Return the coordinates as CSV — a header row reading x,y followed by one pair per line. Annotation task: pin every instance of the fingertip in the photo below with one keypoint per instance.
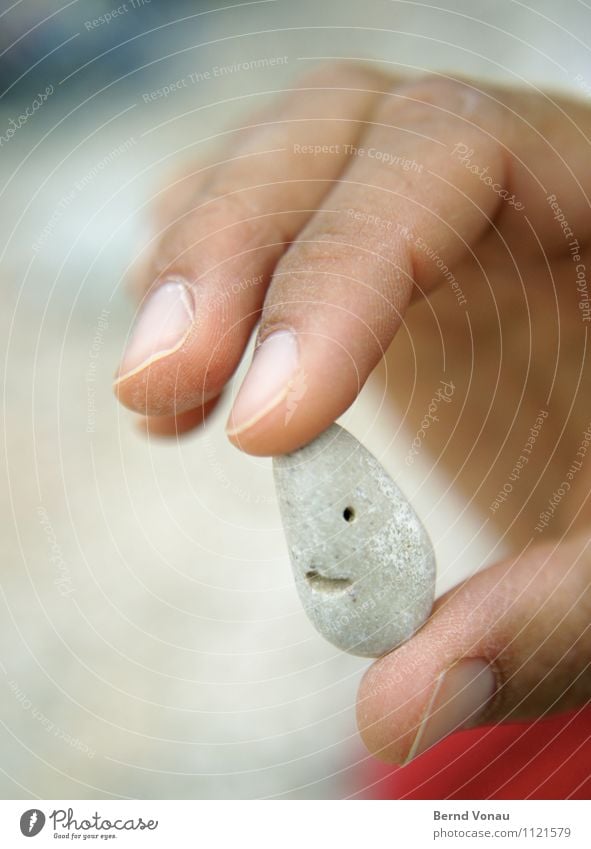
x,y
162,326
171,386
297,385
283,429
397,690
389,709
171,427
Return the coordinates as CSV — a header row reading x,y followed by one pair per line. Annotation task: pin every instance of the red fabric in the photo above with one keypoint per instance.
x,y
546,759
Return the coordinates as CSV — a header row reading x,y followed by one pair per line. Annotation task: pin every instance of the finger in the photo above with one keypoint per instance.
x,y
513,642
175,426
404,212
178,193
339,293
212,266
546,141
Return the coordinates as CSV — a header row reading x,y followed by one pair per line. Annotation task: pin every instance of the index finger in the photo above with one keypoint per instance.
x,y
476,161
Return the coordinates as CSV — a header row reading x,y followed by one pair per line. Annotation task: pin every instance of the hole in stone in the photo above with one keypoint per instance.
x,y
349,514
326,585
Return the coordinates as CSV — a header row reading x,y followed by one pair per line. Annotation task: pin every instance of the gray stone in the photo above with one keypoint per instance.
x,y
363,562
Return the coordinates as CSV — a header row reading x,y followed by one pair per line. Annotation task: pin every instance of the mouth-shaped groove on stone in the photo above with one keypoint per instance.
x,y
326,585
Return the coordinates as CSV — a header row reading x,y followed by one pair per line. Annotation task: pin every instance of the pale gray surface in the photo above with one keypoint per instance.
x,y
363,563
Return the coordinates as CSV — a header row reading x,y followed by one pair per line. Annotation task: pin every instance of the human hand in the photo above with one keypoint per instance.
x,y
417,184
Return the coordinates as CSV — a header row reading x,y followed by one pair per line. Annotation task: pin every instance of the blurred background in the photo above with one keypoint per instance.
x,y
151,641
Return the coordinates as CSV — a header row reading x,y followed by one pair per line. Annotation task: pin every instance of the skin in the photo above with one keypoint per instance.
x,y
358,294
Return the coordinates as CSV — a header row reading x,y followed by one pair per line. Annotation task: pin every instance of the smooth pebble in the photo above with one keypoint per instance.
x,y
363,562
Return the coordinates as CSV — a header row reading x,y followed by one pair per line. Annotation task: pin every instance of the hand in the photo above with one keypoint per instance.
x,y
324,218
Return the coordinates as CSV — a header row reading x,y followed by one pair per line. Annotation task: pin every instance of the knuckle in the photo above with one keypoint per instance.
x,y
339,72
435,98
225,202
329,265
327,245
456,95
223,224
237,211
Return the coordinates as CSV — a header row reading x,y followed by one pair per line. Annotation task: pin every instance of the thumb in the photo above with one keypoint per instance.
x,y
513,642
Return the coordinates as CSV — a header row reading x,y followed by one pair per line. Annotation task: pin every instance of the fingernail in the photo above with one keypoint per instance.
x,y
460,696
267,382
162,326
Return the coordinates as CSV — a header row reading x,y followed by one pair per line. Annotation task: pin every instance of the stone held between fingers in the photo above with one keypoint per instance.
x,y
363,562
